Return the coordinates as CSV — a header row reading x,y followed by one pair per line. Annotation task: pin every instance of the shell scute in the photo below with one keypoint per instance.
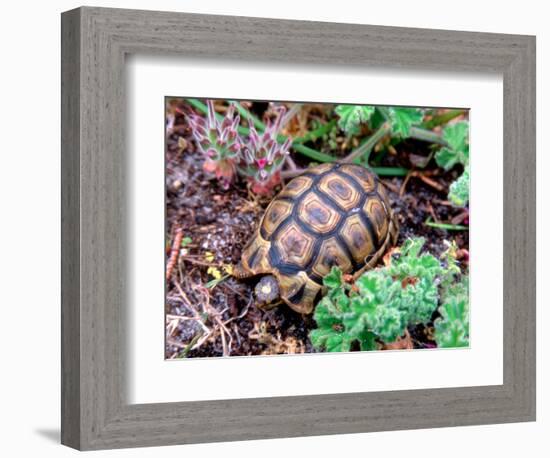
x,y
340,191
321,168
294,245
375,210
255,258
299,291
296,187
316,214
361,175
358,238
275,214
331,253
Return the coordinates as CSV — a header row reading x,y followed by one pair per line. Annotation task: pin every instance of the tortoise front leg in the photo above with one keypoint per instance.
x,y
239,272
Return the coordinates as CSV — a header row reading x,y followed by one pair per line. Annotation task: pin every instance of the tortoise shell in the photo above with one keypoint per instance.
x,y
331,215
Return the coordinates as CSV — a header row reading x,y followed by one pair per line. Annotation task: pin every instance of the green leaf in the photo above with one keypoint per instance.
x,y
456,135
446,158
377,119
368,286
453,328
457,152
330,339
339,300
325,315
355,324
429,263
333,279
338,343
352,116
389,323
367,341
403,119
421,300
459,191
412,248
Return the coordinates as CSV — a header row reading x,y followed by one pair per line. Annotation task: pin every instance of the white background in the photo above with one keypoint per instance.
x,y
150,79
29,233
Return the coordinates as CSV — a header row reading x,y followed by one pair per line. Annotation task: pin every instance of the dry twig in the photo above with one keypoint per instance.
x,y
174,252
422,176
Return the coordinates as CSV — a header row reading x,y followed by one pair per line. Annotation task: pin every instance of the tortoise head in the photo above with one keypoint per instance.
x,y
267,292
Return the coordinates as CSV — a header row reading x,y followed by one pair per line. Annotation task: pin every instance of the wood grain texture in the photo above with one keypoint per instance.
x,y
70,229
95,413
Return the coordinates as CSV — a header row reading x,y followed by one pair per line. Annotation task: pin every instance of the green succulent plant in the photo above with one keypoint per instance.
x,y
229,150
263,156
383,302
219,142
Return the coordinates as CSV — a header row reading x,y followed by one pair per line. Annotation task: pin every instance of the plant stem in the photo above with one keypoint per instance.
x,y
390,171
315,134
247,115
367,146
427,135
291,173
449,227
291,163
200,106
194,340
216,281
310,152
380,171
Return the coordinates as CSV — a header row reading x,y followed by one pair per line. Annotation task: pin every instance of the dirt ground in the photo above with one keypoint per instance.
x,y
223,320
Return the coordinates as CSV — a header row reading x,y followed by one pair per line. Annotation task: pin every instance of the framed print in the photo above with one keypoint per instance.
x,y
309,228
302,237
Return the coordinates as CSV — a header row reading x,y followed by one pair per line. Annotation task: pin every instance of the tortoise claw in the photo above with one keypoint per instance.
x,y
239,272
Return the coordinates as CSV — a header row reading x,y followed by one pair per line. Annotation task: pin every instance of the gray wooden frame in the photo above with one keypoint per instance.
x,y
95,41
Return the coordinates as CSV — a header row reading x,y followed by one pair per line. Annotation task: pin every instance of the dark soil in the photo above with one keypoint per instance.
x,y
219,223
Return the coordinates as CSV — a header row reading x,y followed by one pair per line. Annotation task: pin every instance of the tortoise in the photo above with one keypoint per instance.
x,y
331,215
